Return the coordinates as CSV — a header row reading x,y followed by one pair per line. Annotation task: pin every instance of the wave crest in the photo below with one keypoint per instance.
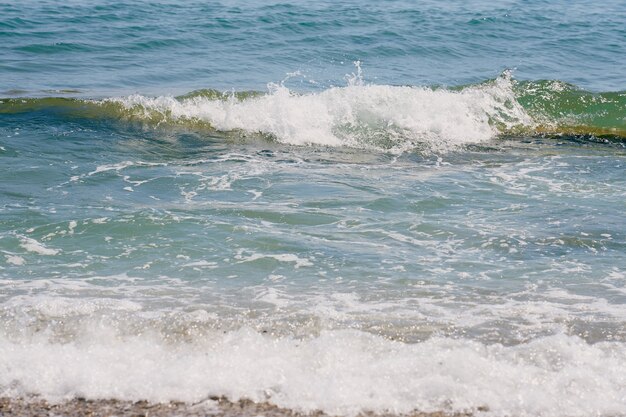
x,y
392,118
367,116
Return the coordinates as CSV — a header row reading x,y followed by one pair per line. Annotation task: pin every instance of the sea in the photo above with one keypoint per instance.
x,y
351,207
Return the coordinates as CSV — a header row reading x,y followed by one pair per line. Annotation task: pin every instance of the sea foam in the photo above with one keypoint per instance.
x,y
392,118
341,372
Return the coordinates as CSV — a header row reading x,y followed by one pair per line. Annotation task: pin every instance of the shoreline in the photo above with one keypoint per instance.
x,y
213,406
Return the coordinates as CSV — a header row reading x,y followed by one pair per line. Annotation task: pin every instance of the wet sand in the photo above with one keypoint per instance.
x,y
214,407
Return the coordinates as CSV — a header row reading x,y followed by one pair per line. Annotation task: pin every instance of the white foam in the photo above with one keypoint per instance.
x,y
387,117
283,257
202,264
341,372
111,167
31,245
122,166
15,260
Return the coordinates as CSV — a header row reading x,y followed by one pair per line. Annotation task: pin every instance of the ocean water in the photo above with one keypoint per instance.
x,y
358,207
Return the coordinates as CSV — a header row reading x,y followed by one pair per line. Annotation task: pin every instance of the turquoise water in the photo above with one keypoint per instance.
x,y
360,207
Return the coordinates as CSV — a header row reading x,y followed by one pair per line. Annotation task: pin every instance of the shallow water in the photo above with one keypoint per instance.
x,y
287,233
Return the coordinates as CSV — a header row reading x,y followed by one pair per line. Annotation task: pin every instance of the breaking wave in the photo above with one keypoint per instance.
x,y
340,372
367,116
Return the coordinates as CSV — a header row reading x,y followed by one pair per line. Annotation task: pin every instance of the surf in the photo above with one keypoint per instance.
x,y
386,118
